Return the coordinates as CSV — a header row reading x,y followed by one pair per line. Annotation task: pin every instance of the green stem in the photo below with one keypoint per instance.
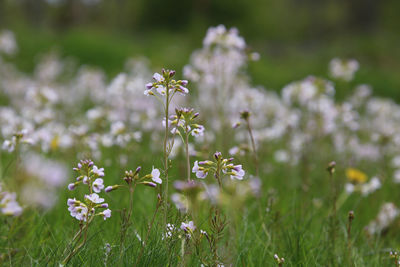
x,y
253,144
187,156
165,197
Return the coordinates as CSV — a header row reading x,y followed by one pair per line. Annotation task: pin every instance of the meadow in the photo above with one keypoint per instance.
x,y
197,166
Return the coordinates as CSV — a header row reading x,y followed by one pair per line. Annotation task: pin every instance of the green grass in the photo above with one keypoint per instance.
x,y
294,227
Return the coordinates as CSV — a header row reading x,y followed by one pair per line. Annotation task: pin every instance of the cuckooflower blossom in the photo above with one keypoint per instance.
x,y
200,173
97,171
9,204
155,176
188,227
106,214
98,185
94,198
237,172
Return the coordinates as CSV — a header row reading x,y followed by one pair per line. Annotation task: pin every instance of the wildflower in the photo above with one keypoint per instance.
x,y
188,228
279,260
200,172
158,77
97,171
106,214
386,216
98,185
155,176
343,69
170,230
8,45
356,176
164,81
371,186
94,198
236,171
9,205
198,131
77,209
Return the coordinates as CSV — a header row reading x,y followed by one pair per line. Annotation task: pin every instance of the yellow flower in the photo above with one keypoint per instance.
x,y
55,142
356,176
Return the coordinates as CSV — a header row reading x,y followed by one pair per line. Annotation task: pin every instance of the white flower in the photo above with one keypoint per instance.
x,y
371,186
97,171
8,145
188,227
170,230
9,204
77,209
199,131
158,77
349,188
160,89
396,178
98,185
199,172
343,69
155,176
106,214
237,172
94,198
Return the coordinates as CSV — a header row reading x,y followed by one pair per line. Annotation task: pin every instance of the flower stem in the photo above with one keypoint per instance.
x,y
165,196
253,144
187,156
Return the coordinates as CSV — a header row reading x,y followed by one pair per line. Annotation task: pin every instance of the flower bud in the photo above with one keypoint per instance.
x,y
151,184
331,167
195,115
351,215
71,186
245,114
236,125
138,169
111,188
171,73
217,155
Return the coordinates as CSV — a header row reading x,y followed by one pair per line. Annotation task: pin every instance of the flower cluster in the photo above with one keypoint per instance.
x,y
183,119
163,82
358,182
203,168
343,69
188,228
8,203
91,176
133,178
386,216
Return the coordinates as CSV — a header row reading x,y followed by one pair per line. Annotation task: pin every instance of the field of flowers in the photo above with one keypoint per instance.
x,y
195,167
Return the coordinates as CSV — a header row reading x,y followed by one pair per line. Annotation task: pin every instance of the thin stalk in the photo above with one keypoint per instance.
x,y
126,219
253,144
334,213
187,156
165,196
349,247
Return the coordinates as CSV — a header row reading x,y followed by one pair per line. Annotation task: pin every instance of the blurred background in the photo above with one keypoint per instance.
x,y
294,38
